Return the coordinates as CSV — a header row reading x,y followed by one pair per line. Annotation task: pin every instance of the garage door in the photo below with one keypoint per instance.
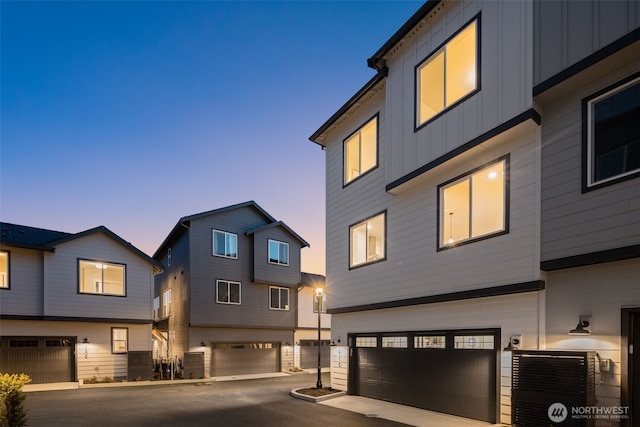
x,y
449,372
309,354
244,358
44,359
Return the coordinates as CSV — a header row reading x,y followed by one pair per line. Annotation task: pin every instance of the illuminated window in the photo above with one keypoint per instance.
x,y
367,241
447,75
4,269
119,339
474,206
366,341
394,342
361,151
476,342
103,278
227,292
225,244
156,307
429,341
278,298
613,133
166,303
278,253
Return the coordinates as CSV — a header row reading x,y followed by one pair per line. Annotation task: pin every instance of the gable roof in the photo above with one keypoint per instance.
x,y
279,224
23,236
312,280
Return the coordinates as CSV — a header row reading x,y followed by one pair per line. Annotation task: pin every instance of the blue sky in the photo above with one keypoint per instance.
x,y
133,114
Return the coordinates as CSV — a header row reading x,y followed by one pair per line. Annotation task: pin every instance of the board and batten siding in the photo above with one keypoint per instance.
x,y
505,33
62,297
567,31
265,272
574,222
25,295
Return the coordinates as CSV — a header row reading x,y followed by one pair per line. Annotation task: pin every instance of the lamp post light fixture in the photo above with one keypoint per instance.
x,y
319,295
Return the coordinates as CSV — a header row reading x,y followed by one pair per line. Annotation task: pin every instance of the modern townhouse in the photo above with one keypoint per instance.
x,y
227,301
74,306
483,195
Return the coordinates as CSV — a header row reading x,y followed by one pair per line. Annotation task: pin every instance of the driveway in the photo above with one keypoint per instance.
x,y
255,402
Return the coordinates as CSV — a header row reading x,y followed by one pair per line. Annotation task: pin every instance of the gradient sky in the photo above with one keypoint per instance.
x,y
132,115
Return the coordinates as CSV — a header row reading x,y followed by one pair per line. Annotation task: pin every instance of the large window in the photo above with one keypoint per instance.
x,y
447,75
474,206
367,241
103,278
225,244
166,303
156,308
119,340
613,133
4,269
361,151
227,292
278,252
278,298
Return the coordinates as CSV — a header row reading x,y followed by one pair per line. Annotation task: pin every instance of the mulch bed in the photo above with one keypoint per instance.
x,y
315,392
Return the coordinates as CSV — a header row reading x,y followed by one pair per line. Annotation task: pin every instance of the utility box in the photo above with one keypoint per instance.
x,y
193,365
552,388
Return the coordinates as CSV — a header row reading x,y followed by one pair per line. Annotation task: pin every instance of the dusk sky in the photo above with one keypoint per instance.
x,y
132,115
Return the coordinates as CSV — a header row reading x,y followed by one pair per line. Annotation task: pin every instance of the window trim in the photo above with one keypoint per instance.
x,y
280,288
102,294
8,275
229,282
418,126
384,258
213,243
507,197
166,313
269,252
126,341
156,308
587,143
376,116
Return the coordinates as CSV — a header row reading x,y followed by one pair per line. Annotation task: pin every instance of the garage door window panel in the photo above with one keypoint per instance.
x,y
421,341
101,278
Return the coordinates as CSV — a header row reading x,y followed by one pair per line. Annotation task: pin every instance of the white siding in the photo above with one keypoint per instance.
x,y
307,318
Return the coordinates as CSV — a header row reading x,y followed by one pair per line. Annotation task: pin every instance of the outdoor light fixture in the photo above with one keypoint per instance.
x,y
583,323
514,343
202,344
85,340
319,295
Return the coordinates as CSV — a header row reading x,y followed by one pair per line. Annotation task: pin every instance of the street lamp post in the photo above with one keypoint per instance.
x,y
319,294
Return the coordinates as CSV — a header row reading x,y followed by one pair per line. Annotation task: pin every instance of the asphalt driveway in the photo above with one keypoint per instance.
x,y
255,402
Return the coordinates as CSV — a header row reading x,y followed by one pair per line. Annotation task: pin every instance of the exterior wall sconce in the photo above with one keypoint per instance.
x,y
335,342
515,341
580,329
85,340
202,344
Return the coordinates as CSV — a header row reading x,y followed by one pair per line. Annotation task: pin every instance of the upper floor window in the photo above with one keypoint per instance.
x,y
474,206
278,252
448,75
227,292
367,241
361,151
119,340
166,303
278,298
156,307
613,133
104,278
169,257
4,269
225,244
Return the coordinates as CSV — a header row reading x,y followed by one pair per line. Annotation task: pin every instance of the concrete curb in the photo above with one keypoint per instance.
x,y
315,399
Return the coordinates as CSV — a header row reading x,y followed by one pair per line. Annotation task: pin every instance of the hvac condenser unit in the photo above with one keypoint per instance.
x,y
548,385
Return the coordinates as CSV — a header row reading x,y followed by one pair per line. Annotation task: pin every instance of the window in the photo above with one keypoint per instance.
x,y
361,151
438,341
474,206
367,241
166,303
448,75
394,342
119,339
477,342
169,257
227,292
97,277
156,307
279,298
278,253
613,133
4,269
366,341
225,244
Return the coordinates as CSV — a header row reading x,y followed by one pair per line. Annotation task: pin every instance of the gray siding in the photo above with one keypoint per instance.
x,y
25,297
574,222
265,272
568,31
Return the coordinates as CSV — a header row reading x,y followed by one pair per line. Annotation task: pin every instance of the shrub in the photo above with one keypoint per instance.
x,y
12,412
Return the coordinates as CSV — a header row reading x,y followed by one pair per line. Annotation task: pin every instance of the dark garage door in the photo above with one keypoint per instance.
x,y
44,359
244,358
309,354
449,372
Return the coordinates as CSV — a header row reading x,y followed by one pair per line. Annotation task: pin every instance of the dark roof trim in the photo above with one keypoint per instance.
x,y
76,319
587,62
517,288
349,104
591,258
377,60
22,236
530,114
312,279
279,224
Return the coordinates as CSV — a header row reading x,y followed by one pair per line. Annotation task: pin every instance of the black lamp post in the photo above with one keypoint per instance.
x,y
319,294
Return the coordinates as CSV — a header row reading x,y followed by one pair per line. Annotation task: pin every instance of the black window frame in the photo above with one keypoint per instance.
x,y
375,117
381,259
8,278
102,294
